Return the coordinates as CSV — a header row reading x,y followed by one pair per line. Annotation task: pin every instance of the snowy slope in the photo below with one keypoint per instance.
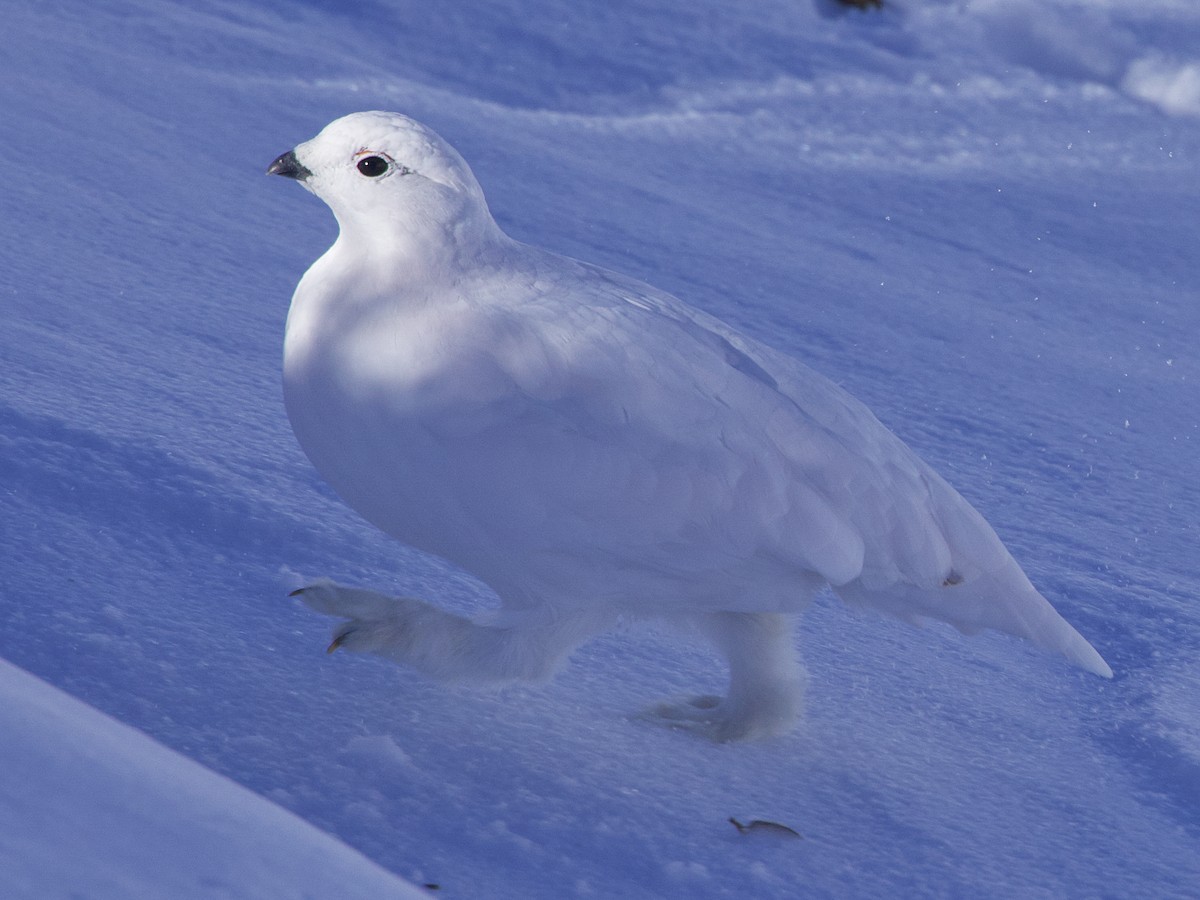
x,y
981,218
92,808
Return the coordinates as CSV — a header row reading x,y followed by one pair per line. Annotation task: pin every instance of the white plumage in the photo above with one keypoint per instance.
x,y
591,447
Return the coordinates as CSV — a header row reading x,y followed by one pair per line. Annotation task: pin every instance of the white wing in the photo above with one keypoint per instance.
x,y
812,479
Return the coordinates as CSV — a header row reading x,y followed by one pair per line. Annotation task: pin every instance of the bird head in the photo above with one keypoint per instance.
x,y
388,177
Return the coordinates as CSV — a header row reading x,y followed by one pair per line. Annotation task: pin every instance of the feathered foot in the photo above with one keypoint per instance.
x,y
528,646
766,682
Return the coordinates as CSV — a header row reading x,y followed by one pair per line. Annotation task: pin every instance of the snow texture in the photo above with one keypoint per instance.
x,y
92,808
980,222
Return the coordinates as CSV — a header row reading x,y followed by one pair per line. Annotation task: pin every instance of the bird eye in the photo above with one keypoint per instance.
x,y
372,166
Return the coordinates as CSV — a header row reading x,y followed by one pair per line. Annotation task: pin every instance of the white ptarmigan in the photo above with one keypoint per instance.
x,y
591,447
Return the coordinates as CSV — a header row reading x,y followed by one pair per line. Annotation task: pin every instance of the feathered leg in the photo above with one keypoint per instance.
x,y
766,680
525,647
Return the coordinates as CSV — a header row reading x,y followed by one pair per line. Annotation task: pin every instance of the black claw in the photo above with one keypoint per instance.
x,y
339,638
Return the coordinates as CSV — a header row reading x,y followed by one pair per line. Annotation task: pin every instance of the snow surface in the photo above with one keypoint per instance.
x,y
92,808
979,217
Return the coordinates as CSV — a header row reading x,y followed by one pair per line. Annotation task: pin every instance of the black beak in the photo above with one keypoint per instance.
x,y
288,166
